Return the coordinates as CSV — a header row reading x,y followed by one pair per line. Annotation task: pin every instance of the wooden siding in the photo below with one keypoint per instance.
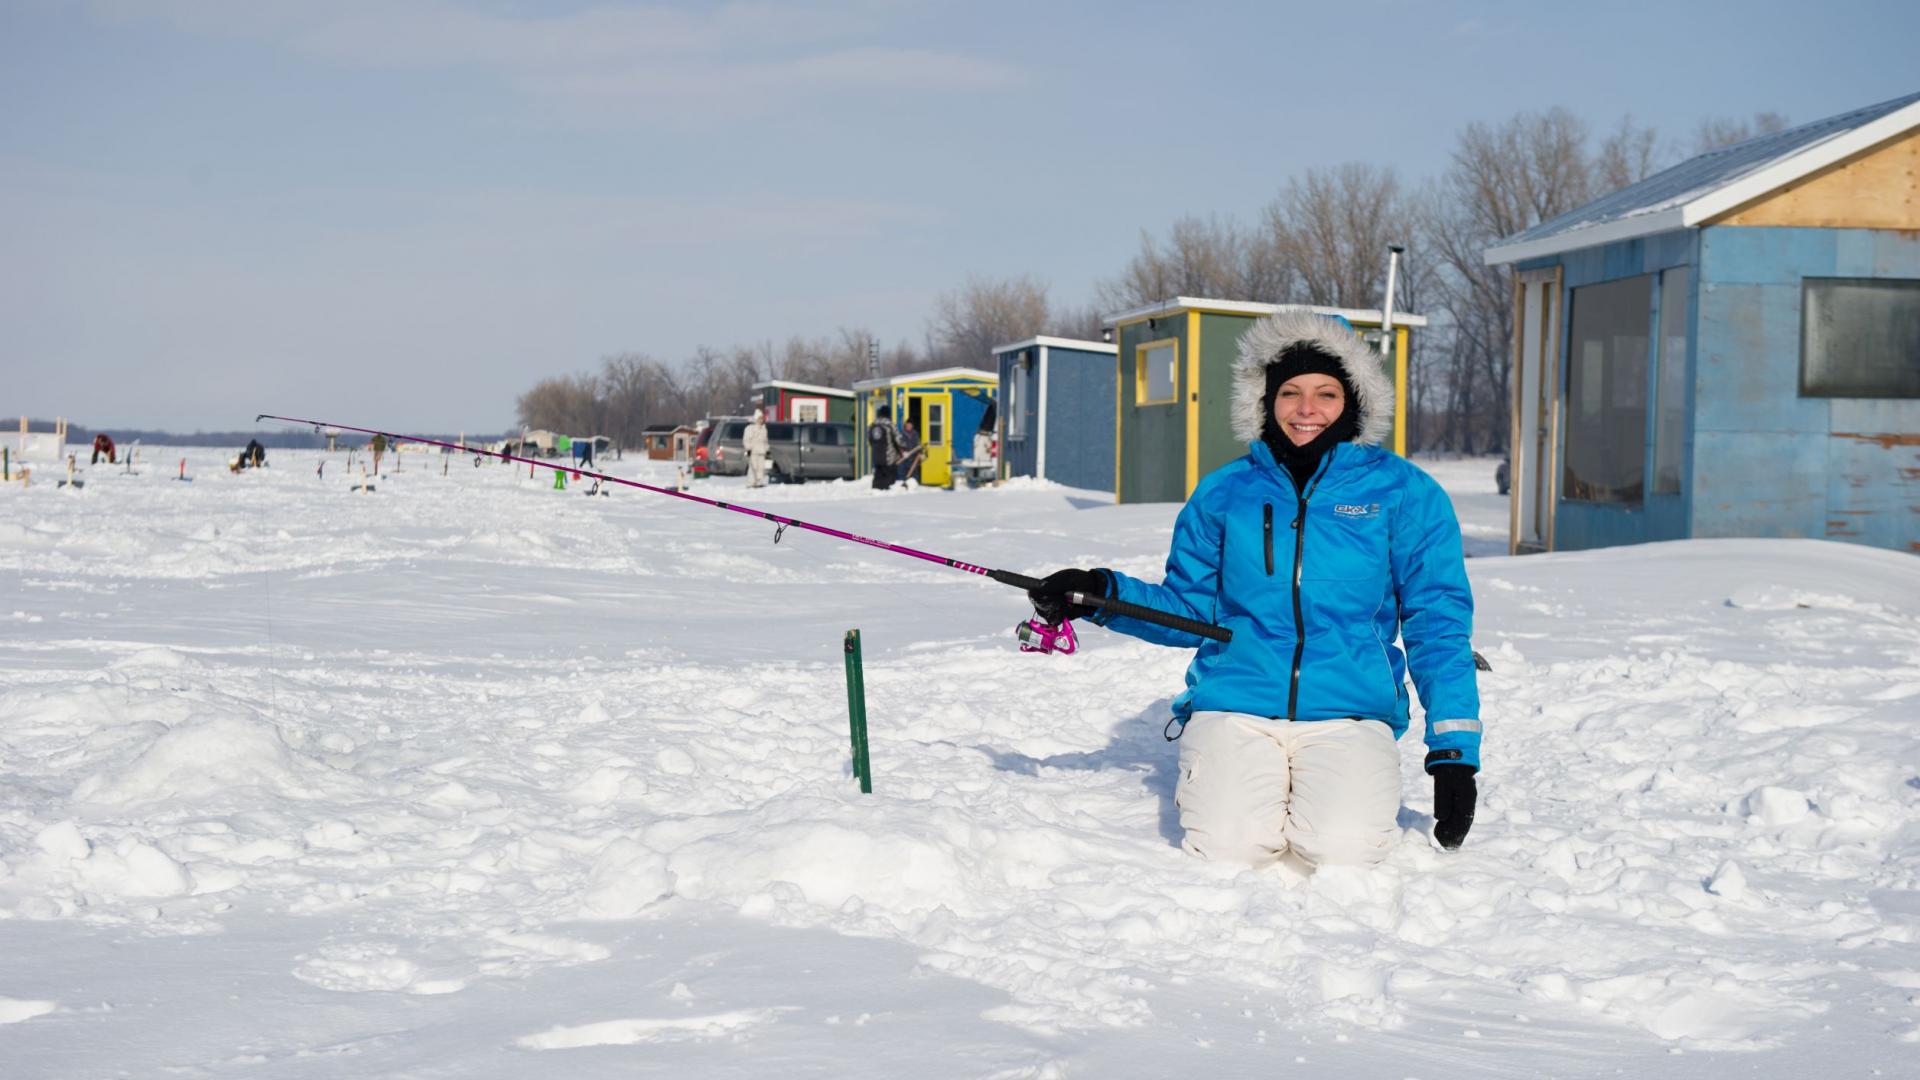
x,y
1766,461
1219,348
1879,189
1150,451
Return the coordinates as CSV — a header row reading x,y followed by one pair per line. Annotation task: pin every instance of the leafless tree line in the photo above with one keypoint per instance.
x,y
1321,240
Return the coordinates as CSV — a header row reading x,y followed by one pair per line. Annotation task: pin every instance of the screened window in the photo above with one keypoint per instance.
x,y
1154,374
1017,396
1670,384
1860,337
1607,391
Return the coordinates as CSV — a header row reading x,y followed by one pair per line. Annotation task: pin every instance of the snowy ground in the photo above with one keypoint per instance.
x,y
472,778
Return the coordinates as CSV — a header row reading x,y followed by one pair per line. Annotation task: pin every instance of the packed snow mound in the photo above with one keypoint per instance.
x,y
829,864
211,752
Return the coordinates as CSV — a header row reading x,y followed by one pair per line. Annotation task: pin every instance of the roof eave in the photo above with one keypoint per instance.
x,y
1058,343
1371,316
1593,236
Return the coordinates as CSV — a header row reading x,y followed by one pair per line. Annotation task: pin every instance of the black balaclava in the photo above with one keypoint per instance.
x,y
1301,461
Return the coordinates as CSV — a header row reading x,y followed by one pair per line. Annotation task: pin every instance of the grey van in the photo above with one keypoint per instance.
x,y
798,452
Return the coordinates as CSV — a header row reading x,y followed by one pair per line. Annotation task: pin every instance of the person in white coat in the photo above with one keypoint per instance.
x,y
757,447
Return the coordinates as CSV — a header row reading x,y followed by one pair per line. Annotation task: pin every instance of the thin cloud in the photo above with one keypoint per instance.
x,y
660,61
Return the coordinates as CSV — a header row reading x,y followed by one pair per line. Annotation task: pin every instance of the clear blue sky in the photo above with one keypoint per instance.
x,y
404,212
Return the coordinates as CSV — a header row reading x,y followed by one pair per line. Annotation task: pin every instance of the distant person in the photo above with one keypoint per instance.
x,y
253,456
103,444
1326,555
379,446
984,449
883,448
757,446
910,451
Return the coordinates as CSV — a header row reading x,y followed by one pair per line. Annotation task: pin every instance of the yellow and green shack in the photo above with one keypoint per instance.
x,y
1173,384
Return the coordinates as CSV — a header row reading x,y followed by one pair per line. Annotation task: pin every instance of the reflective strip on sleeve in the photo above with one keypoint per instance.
x,y
1445,726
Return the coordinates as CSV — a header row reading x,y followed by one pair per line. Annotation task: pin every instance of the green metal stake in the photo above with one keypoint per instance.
x,y
857,713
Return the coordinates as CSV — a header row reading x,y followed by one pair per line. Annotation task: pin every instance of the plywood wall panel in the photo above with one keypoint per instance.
x,y
1877,189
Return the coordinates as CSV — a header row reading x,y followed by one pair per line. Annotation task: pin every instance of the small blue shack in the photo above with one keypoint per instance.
x,y
1056,411
1727,348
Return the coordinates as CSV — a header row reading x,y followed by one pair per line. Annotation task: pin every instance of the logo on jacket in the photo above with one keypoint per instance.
x,y
1357,510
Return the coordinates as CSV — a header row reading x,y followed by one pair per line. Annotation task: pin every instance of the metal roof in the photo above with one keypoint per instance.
x,y
1701,188
936,375
786,385
1059,343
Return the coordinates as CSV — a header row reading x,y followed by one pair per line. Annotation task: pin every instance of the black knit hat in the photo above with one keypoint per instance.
x,y
1307,360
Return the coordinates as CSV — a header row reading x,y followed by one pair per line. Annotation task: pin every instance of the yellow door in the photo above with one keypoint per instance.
x,y
932,412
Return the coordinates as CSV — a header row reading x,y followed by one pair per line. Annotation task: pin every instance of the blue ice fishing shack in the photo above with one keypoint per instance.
x,y
1727,348
1056,411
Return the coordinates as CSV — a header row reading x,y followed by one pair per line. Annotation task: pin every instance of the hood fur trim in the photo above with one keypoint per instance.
x,y
1274,334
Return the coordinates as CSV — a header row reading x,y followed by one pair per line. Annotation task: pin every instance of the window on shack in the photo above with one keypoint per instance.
x,y
1154,365
1606,454
1860,337
1016,391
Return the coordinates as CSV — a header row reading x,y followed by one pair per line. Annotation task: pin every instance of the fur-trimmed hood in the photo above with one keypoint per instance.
x,y
1273,335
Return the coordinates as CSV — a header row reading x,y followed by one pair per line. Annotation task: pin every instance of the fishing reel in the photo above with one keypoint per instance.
x,y
1042,637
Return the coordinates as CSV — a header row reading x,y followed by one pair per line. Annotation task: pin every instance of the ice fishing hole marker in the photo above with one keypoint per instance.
x,y
1005,577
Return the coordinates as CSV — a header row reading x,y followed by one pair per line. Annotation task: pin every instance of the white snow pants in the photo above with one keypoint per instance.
x,y
756,470
1255,790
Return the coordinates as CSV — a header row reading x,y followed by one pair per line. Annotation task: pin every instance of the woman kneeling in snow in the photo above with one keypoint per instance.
x,y
1317,550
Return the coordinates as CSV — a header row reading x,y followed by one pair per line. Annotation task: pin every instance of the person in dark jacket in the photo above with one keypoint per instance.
x,y
907,453
103,444
883,448
1320,551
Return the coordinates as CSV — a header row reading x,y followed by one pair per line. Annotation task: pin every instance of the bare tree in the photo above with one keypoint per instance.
x,y
1332,227
1210,257
1083,323
969,321
1719,132
564,403
1627,156
1503,179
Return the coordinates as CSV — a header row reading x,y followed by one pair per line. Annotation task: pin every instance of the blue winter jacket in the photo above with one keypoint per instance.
x,y
1316,587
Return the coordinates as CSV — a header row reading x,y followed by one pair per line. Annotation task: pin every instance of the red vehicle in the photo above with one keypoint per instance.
x,y
702,466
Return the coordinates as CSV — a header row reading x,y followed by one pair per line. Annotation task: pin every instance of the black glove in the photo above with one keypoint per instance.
x,y
1050,599
1454,795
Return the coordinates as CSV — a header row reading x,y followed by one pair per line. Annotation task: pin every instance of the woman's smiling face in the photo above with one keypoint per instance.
x,y
1306,404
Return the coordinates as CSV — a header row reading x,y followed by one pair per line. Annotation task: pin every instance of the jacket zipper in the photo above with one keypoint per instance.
x,y
1299,619
1267,530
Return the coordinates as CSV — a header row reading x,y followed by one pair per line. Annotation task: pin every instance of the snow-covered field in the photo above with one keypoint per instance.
x,y
468,777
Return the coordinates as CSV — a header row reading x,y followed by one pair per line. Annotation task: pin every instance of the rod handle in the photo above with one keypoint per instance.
x,y
1152,615
1121,607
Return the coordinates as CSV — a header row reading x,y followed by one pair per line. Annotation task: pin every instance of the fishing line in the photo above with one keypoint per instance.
x,y
1004,577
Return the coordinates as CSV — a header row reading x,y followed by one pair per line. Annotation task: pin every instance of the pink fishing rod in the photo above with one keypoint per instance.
x,y
1054,639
